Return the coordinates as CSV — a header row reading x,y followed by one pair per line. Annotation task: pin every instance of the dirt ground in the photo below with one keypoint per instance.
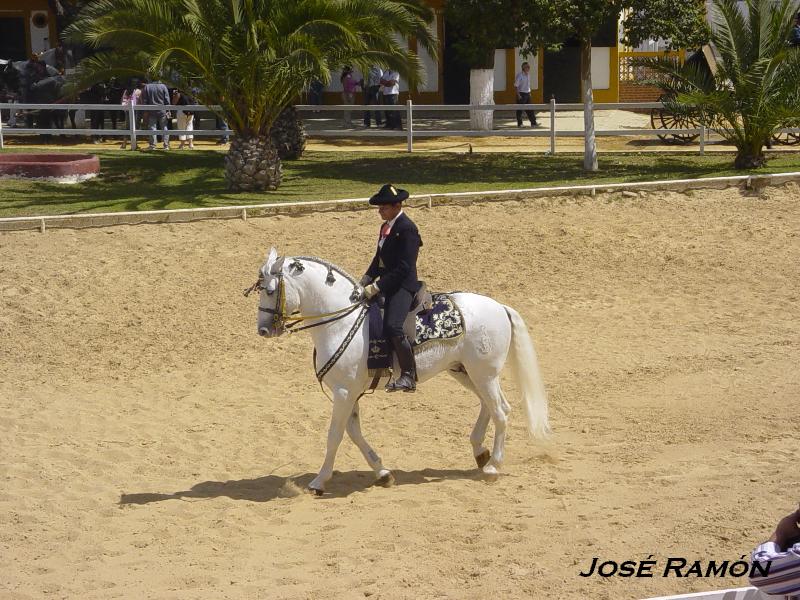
x,y
153,445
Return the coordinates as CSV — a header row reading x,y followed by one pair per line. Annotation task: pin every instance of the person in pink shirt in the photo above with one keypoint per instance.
x,y
130,97
349,85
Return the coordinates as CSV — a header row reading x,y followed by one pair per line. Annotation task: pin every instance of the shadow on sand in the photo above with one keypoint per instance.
x,y
270,487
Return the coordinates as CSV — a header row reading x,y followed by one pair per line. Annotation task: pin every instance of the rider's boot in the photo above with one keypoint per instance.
x,y
405,356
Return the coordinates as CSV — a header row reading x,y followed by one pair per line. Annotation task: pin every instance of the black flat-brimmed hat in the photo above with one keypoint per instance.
x,y
388,194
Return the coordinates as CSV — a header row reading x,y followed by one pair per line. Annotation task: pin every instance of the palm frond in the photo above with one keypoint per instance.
x,y
251,57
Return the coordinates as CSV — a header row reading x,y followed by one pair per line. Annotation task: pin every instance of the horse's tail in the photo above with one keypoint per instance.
x,y
525,368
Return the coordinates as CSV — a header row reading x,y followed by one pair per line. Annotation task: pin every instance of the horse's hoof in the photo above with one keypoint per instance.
x,y
385,481
315,491
490,473
483,458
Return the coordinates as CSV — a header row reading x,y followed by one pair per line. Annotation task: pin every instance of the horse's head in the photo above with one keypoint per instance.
x,y
275,302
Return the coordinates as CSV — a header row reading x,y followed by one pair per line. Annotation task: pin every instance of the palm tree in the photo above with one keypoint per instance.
x,y
251,57
754,89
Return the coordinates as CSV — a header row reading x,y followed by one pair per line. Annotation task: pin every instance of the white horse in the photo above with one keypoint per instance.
x,y
307,290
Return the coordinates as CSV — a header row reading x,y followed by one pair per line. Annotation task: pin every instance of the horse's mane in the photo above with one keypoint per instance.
x,y
329,265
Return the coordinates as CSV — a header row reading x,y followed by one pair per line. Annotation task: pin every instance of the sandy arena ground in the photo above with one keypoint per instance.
x,y
153,445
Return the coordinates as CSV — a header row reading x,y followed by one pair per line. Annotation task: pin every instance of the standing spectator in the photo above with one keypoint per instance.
x,y
782,552
114,92
796,32
221,124
185,118
372,95
98,94
315,93
390,82
349,85
156,93
523,86
130,97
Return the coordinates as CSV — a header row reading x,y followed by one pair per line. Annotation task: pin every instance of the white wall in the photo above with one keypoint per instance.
x,y
430,67
40,36
601,68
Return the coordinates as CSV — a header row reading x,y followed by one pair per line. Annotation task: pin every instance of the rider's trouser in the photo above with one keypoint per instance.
x,y
395,312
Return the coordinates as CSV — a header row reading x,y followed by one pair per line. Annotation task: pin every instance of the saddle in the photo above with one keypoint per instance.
x,y
431,318
422,302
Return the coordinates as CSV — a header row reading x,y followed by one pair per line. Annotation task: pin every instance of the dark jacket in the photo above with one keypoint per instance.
x,y
155,93
396,262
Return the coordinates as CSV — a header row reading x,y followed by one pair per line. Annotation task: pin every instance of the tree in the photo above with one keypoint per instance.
x,y
754,90
549,23
680,24
250,57
483,25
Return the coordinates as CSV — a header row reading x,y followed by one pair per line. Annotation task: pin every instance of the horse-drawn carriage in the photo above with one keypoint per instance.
x,y
676,116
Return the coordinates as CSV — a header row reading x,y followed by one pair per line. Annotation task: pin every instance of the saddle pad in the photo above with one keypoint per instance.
x,y
379,355
442,322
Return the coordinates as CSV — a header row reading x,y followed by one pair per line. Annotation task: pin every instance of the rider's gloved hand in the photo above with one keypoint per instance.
x,y
365,280
371,291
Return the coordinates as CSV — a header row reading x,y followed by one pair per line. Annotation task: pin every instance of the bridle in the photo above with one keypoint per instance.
x,y
283,322
287,323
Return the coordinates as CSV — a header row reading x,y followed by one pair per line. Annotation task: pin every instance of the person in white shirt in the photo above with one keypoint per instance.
x,y
522,84
390,82
782,552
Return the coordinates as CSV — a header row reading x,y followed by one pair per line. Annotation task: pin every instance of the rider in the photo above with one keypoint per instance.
x,y
393,273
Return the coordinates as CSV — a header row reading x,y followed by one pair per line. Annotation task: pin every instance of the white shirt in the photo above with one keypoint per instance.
x,y
390,90
391,224
784,572
523,82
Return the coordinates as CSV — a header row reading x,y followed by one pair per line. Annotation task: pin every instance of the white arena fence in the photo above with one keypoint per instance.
x,y
410,110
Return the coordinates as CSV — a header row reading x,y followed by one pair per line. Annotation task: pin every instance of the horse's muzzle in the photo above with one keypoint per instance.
x,y
264,332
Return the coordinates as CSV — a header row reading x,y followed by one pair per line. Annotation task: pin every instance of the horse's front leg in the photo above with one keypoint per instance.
x,y
343,402
383,476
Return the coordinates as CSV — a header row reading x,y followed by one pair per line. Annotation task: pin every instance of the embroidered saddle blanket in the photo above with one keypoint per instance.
x,y
443,321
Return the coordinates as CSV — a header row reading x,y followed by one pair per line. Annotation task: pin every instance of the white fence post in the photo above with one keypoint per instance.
x,y
409,125
702,139
132,124
552,125
1,130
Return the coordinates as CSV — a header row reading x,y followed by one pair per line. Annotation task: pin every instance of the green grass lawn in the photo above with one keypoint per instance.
x,y
132,181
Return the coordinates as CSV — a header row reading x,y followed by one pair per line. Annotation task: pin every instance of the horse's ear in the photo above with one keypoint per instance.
x,y
271,256
276,268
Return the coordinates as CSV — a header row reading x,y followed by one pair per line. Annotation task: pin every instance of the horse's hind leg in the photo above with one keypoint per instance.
x,y
384,476
492,396
478,434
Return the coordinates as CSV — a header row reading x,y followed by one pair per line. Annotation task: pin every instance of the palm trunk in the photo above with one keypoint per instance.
x,y
288,134
750,151
749,158
589,142
252,164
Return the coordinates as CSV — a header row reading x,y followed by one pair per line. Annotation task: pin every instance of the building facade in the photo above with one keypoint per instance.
x,y
26,27
553,74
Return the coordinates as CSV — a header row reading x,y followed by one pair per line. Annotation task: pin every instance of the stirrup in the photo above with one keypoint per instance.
x,y
403,383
